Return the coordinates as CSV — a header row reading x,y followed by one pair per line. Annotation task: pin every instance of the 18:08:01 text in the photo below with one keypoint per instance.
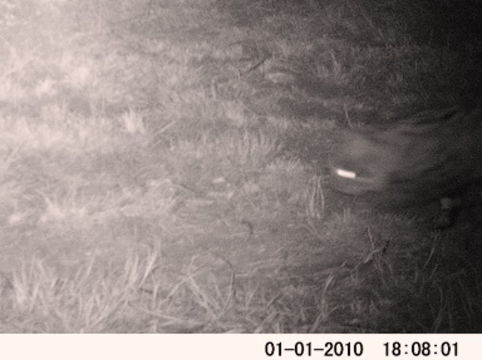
x,y
420,348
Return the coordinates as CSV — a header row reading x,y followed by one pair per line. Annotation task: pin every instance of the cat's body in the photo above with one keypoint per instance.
x,y
431,155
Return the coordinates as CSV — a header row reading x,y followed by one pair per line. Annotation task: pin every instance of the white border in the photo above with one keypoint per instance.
x,y
213,346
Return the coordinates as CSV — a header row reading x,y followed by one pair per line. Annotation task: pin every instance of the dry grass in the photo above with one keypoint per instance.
x,y
162,169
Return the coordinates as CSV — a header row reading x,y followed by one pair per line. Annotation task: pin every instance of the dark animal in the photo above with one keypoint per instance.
x,y
431,155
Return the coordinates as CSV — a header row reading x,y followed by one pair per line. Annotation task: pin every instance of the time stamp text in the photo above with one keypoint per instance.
x,y
356,350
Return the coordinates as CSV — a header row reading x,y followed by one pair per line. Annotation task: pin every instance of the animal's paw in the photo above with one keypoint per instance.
x,y
445,219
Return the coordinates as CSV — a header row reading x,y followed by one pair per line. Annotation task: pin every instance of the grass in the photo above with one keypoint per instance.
x,y
163,167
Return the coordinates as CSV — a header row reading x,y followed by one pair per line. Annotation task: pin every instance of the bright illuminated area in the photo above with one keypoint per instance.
x,y
165,166
345,174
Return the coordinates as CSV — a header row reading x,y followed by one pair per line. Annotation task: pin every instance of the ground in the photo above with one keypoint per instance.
x,y
164,167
